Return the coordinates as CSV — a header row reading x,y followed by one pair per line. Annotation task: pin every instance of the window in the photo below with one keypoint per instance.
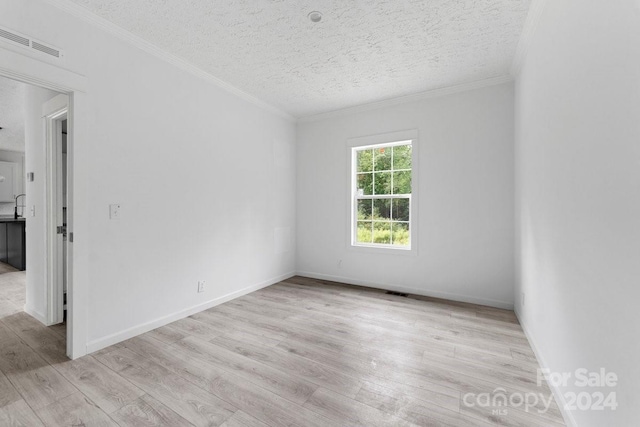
x,y
381,203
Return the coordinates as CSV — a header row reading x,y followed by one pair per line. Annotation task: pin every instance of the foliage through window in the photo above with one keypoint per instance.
x,y
382,201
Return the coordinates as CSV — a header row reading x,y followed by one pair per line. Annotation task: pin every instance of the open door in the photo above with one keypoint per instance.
x,y
55,112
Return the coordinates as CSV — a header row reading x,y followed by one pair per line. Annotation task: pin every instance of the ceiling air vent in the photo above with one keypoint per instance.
x,y
45,49
16,39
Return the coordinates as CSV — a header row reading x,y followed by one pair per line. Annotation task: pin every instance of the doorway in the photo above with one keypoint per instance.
x,y
34,254
12,189
26,69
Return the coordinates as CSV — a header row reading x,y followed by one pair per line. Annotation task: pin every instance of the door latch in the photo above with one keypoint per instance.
x,y
62,229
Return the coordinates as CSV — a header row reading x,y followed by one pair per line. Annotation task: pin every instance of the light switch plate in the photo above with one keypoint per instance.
x,y
114,211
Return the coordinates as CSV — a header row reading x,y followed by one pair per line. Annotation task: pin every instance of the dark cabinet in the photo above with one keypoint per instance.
x,y
16,245
3,242
13,244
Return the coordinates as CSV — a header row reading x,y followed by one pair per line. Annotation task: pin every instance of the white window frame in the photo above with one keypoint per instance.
x,y
387,139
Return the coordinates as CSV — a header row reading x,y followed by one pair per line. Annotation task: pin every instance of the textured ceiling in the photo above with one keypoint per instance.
x,y
361,51
11,115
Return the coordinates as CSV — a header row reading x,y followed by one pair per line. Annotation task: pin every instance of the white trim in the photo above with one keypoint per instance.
x,y
382,138
79,248
57,104
53,112
567,415
382,249
529,29
126,36
391,287
35,314
434,93
101,343
26,69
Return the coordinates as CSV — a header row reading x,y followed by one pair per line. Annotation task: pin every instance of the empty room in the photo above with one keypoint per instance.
x,y
264,213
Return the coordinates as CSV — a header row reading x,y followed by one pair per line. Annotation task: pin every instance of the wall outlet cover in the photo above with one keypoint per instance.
x,y
201,286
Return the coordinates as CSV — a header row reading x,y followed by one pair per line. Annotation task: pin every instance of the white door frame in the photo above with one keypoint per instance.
x,y
21,67
54,112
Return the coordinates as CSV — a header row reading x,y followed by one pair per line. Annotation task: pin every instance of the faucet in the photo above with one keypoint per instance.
x,y
15,212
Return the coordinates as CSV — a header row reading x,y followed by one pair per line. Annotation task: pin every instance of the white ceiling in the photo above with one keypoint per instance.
x,y
11,115
361,51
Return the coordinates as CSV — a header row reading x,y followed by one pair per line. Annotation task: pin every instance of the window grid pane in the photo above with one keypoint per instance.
x,y
364,232
400,235
365,208
383,195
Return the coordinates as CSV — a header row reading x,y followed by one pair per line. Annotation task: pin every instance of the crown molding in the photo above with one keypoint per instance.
x,y
124,35
435,93
530,26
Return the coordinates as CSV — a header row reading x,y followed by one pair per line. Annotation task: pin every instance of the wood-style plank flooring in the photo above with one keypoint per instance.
x,y
12,284
302,352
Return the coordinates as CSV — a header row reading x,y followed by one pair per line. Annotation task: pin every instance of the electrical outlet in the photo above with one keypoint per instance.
x,y
201,286
339,263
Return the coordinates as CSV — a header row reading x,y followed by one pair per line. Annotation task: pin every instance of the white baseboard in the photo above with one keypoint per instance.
x,y
557,393
35,314
104,342
390,287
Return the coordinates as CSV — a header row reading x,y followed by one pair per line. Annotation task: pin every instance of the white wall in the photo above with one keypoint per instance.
x,y
578,156
11,115
205,179
466,224
16,157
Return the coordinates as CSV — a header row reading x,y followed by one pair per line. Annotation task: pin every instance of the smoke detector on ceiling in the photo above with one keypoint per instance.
x,y
315,16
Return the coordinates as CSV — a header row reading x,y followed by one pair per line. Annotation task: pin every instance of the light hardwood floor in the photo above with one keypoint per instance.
x,y
302,352
12,284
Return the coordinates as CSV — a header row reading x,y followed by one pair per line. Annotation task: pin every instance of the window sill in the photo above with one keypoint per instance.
x,y
382,250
